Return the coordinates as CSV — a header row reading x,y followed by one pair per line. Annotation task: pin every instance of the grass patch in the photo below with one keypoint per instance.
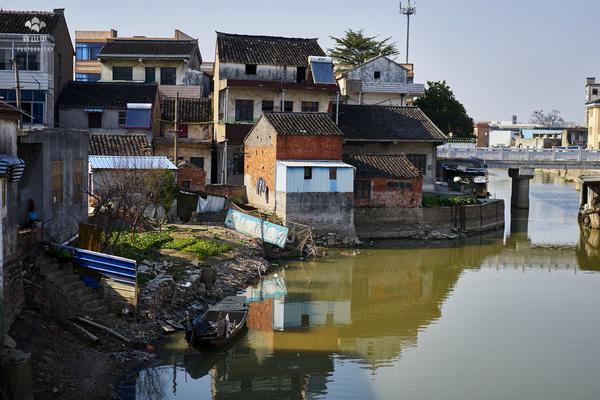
x,y
179,243
207,248
144,244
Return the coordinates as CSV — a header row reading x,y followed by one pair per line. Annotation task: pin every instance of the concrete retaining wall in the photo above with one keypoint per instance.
x,y
397,223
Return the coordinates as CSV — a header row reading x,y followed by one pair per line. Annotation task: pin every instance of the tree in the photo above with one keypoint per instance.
x,y
550,119
355,48
440,105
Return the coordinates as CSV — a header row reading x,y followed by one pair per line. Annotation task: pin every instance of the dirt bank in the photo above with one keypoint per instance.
x,y
66,365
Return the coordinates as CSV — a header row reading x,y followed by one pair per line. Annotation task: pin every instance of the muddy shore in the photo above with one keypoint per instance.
x,y
66,365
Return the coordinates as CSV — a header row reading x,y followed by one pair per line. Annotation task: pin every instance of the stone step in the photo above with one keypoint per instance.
x,y
100,310
92,304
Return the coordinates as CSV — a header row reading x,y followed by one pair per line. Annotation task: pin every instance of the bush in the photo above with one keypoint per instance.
x,y
448,201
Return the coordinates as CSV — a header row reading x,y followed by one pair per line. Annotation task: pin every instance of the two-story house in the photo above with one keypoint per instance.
x,y
194,131
172,63
256,74
40,44
380,81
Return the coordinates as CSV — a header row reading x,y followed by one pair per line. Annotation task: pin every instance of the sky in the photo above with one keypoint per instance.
x,y
501,58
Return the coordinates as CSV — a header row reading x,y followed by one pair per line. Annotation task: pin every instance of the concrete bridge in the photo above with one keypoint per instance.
x,y
521,163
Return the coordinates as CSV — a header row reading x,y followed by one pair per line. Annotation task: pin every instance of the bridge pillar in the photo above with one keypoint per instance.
x,y
520,186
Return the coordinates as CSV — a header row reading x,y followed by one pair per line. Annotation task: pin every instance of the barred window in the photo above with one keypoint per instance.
x,y
419,161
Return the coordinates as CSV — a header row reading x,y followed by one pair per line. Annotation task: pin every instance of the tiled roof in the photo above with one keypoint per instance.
x,y
306,123
382,166
266,50
17,22
148,48
119,145
190,110
112,95
383,123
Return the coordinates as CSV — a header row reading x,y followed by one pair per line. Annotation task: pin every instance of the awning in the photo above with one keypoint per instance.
x,y
11,167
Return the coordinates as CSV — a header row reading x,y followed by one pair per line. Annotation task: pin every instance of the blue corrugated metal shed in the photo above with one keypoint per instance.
x,y
290,177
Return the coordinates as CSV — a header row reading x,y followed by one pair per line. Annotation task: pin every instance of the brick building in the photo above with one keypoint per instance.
x,y
385,180
191,177
293,166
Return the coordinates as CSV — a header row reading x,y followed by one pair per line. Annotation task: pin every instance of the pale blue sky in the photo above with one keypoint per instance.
x,y
500,57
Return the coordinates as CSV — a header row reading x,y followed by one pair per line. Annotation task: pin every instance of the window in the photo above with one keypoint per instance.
x,y
244,110
197,161
310,106
307,173
185,184
138,116
149,74
300,74
94,120
595,92
332,174
168,75
122,73
78,180
410,79
287,106
5,56
250,69
399,185
238,164
122,119
87,51
87,77
33,102
57,181
377,75
268,106
363,190
419,161
27,56
182,131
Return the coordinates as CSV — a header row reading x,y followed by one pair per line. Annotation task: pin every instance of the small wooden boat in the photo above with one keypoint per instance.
x,y
220,325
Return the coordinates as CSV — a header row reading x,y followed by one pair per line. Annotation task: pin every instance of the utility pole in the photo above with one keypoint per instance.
x,y
410,9
18,90
176,122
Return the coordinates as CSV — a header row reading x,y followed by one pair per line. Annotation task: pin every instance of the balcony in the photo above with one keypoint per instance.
x,y
277,85
393,87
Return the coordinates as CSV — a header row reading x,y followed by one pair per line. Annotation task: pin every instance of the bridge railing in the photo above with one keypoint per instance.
x,y
520,155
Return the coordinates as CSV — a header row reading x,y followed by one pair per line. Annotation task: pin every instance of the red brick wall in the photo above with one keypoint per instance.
x,y
196,176
309,147
382,196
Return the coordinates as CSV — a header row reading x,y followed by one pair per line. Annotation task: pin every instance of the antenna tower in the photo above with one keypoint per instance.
x,y
408,10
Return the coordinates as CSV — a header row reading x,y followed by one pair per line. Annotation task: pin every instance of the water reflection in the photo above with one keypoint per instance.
x,y
383,321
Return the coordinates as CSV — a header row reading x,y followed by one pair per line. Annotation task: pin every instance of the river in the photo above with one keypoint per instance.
x,y
511,315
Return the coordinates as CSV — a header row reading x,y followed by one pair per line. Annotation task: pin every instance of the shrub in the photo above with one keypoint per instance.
x,y
448,201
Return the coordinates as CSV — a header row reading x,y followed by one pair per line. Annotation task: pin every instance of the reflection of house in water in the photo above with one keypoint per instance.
x,y
588,251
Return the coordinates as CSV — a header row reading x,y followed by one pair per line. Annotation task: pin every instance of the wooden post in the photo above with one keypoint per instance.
x,y
18,91
176,122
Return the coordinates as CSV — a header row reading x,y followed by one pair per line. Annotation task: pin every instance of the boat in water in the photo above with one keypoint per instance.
x,y
220,325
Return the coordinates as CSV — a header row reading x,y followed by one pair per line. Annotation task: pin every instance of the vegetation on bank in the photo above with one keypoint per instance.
x,y
147,245
431,201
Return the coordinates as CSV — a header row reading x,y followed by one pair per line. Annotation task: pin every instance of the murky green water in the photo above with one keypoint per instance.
x,y
513,316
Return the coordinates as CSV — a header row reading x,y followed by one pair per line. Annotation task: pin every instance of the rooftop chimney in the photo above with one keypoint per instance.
x,y
59,11
590,81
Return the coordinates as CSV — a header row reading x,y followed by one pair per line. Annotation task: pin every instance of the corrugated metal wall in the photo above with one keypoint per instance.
x,y
291,180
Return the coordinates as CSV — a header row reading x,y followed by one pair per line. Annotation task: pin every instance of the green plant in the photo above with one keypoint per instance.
x,y
430,201
143,245
207,248
179,243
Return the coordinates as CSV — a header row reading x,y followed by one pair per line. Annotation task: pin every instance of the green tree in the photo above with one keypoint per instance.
x,y
355,48
440,105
